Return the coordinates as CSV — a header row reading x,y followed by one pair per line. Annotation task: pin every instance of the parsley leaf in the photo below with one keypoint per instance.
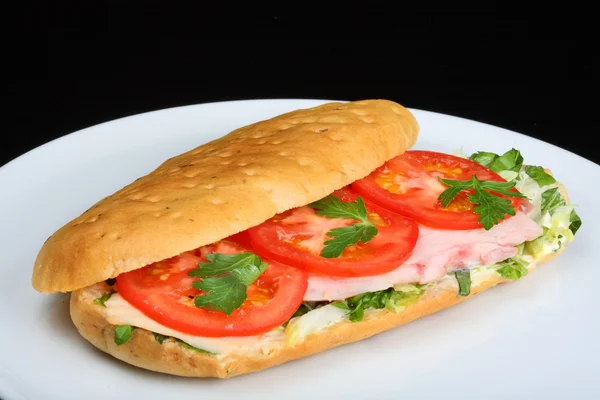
x,y
341,238
101,300
333,207
347,236
551,200
539,175
225,279
509,161
490,207
575,222
455,188
226,293
512,269
123,334
463,277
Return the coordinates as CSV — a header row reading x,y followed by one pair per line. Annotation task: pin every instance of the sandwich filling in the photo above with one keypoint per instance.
x,y
436,253
422,222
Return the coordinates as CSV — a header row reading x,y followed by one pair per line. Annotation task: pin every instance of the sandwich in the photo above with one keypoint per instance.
x,y
297,234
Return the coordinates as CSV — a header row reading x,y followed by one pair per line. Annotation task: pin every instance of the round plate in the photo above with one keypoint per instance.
x,y
534,338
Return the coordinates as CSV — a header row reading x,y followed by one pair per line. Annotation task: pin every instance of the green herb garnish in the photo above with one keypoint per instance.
x,y
123,334
490,207
551,200
101,300
226,278
539,175
463,277
513,161
575,222
341,238
509,161
512,269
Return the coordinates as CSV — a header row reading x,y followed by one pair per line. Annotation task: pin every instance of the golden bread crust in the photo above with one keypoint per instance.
x,y
223,187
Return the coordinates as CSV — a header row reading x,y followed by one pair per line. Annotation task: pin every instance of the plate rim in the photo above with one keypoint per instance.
x,y
84,130
12,166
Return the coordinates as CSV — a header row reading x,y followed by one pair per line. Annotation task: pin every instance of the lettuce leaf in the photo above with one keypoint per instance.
x,y
512,160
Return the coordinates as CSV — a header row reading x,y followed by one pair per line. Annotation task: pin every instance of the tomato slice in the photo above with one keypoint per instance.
x,y
408,185
163,291
296,237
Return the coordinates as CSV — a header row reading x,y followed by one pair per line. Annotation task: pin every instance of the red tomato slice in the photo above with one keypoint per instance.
x,y
408,185
163,291
296,237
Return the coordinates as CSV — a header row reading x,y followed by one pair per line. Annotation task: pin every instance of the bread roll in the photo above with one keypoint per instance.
x,y
224,187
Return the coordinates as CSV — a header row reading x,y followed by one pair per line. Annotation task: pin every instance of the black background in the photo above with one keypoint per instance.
x,y
529,67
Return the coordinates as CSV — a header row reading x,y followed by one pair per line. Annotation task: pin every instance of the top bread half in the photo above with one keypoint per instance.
x,y
224,187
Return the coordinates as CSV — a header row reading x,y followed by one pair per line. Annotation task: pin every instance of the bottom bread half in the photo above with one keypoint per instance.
x,y
170,357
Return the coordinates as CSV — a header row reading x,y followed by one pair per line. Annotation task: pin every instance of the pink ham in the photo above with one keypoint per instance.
x,y
437,252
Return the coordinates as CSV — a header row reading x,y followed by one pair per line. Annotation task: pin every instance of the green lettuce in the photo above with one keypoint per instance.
x,y
512,160
396,298
557,231
513,269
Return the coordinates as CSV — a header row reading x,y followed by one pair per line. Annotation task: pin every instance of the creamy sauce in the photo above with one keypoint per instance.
x,y
314,321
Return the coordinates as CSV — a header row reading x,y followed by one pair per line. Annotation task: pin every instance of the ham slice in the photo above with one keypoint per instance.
x,y
436,253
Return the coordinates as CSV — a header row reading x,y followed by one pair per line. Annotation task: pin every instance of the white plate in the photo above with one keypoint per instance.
x,y
535,338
